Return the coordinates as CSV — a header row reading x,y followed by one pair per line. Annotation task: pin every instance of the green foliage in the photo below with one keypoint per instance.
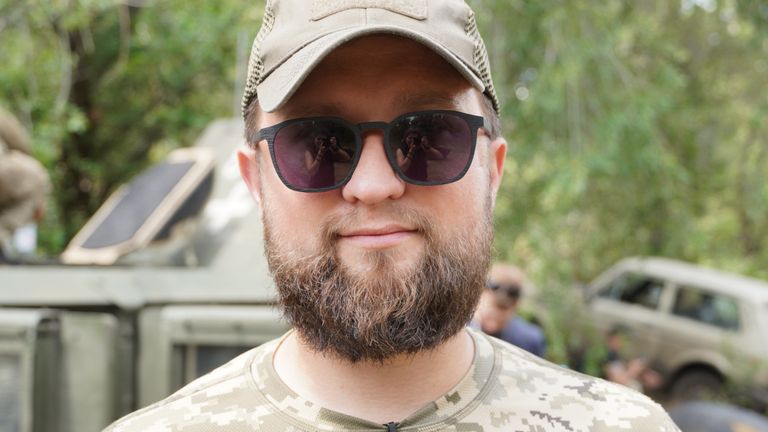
x,y
635,128
103,86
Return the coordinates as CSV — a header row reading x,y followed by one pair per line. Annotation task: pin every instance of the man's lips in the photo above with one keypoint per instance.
x,y
378,237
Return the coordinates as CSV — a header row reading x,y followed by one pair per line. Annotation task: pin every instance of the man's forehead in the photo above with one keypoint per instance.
x,y
506,274
412,101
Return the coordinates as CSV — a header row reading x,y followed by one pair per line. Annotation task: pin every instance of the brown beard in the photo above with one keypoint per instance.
x,y
384,312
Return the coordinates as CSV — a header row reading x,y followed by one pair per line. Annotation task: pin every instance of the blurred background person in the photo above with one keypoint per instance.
x,y
24,186
496,313
634,372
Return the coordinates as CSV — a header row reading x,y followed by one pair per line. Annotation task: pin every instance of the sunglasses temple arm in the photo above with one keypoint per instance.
x,y
487,125
256,139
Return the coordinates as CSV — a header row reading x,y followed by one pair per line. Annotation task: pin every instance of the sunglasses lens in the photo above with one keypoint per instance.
x,y
431,148
314,154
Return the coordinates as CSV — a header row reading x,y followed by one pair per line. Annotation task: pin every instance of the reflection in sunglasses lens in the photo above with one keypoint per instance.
x,y
431,147
314,154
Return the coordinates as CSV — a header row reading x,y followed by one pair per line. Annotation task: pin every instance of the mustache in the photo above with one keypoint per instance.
x,y
334,225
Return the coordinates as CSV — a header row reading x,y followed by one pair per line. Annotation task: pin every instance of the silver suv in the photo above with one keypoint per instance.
x,y
700,327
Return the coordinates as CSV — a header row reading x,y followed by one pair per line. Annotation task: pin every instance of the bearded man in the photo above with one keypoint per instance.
x,y
380,267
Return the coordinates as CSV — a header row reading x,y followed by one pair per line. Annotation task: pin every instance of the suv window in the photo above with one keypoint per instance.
x,y
635,289
714,309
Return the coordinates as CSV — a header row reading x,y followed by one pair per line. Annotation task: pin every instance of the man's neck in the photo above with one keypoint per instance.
x,y
380,393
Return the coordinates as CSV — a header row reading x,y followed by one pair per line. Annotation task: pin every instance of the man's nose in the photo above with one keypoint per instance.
x,y
374,180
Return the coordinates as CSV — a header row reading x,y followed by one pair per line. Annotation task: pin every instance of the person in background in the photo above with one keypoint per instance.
x,y
24,186
497,316
634,373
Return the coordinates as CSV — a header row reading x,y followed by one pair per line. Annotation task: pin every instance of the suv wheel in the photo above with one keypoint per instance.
x,y
696,385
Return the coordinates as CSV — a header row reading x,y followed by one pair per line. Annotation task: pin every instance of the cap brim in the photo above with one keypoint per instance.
x,y
285,79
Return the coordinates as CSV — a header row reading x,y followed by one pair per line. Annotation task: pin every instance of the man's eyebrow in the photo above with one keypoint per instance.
x,y
426,100
312,110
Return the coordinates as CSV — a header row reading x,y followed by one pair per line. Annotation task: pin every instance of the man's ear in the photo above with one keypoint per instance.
x,y
249,171
496,158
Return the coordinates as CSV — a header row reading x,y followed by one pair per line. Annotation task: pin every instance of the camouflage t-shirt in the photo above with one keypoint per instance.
x,y
506,389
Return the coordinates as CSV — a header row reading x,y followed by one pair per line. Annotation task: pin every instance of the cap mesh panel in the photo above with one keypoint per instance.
x,y
256,63
481,60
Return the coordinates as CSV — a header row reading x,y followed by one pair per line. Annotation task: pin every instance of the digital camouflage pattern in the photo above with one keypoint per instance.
x,y
506,389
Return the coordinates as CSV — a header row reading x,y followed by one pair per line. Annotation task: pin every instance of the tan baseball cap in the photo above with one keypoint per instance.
x,y
296,35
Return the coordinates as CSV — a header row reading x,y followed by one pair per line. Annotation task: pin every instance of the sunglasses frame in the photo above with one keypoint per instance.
x,y
473,121
512,292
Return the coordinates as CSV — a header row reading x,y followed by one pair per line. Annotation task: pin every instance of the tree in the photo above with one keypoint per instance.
x,y
107,87
636,128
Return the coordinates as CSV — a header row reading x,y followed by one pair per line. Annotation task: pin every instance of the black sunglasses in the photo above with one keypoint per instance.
x,y
427,148
512,292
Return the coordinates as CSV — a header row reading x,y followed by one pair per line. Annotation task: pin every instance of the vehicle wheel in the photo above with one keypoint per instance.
x,y
696,385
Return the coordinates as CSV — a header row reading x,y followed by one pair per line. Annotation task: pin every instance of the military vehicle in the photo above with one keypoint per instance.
x,y
164,283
